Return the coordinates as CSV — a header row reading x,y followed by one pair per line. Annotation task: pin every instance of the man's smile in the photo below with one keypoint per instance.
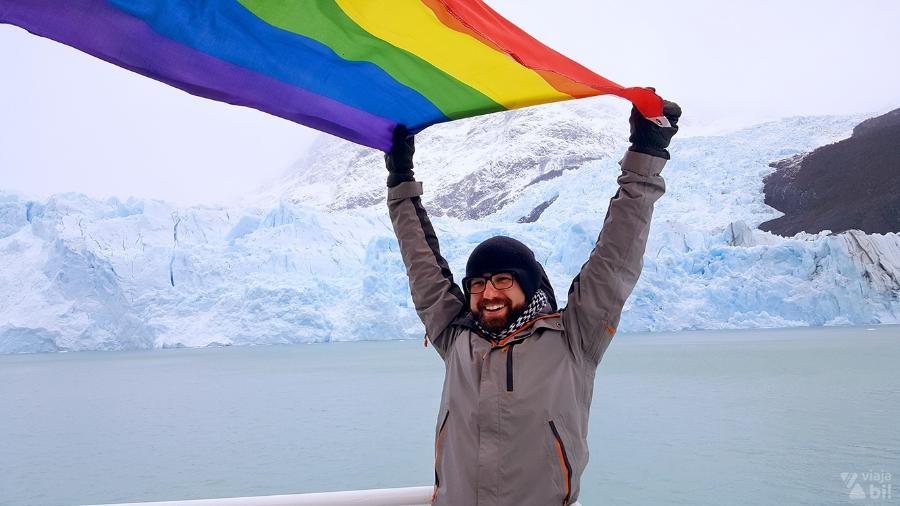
x,y
497,313
493,308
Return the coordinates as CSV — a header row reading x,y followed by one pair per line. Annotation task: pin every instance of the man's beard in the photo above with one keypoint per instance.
x,y
497,324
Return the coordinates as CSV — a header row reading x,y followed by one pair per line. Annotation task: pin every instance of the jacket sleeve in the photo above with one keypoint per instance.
x,y
438,300
606,280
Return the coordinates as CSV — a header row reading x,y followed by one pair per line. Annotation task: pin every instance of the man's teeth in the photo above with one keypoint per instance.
x,y
494,308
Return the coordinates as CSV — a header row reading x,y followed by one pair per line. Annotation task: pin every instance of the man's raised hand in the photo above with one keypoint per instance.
x,y
649,138
399,160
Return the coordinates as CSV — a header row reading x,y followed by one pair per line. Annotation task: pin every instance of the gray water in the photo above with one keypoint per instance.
x,y
740,417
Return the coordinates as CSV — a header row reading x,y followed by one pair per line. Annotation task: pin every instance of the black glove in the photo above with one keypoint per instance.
x,y
399,160
649,138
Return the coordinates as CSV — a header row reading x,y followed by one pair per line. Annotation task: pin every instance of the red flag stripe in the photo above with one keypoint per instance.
x,y
477,19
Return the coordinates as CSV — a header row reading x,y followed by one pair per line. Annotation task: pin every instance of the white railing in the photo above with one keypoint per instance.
x,y
410,496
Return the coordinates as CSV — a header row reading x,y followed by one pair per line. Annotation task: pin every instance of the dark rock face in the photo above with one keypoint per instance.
x,y
877,123
537,211
851,184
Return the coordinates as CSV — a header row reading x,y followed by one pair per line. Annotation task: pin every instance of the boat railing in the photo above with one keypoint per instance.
x,y
408,496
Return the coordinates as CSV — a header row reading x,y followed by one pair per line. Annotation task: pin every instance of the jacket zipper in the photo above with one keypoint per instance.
x,y
509,368
437,456
563,461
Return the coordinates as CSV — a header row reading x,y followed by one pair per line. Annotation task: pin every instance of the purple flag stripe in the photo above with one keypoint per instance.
x,y
97,28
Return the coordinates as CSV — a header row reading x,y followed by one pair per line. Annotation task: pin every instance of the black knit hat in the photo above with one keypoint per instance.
x,y
505,254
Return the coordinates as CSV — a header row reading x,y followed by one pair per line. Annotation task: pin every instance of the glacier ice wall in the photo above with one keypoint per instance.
x,y
82,274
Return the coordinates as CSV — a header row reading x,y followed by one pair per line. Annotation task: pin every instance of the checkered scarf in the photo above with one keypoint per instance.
x,y
538,301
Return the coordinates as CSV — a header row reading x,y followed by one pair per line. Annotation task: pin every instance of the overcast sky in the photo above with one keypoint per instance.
x,y
70,122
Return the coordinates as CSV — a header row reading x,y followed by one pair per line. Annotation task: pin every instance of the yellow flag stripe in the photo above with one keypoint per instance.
x,y
406,23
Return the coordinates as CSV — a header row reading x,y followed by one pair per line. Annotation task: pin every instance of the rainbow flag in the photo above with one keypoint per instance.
x,y
352,68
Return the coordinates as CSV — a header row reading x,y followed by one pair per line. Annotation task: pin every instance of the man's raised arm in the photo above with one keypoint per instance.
x,y
599,291
437,298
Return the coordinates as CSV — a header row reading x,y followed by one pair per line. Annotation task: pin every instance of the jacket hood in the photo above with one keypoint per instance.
x,y
548,289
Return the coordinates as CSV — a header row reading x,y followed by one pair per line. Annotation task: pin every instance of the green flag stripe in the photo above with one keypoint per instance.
x,y
325,22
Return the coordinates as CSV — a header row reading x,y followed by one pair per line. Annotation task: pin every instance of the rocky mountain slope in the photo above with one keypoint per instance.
x,y
851,184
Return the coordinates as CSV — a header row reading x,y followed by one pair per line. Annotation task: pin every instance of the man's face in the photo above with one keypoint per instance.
x,y
495,308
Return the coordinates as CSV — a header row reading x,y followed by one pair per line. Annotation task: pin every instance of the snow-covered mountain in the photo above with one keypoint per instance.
x,y
473,167
319,262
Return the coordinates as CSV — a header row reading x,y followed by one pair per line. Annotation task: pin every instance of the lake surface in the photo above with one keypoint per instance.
x,y
691,418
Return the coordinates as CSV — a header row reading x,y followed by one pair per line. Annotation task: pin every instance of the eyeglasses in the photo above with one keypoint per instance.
x,y
501,281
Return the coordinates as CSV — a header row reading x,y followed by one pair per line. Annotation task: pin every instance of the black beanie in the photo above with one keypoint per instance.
x,y
505,254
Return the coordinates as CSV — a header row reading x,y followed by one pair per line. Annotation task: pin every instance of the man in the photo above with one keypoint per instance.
x,y
513,420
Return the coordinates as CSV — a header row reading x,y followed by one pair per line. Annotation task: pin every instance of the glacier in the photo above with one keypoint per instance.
x,y
312,258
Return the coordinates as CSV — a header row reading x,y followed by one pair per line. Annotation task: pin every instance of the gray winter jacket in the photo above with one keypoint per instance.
x,y
513,421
